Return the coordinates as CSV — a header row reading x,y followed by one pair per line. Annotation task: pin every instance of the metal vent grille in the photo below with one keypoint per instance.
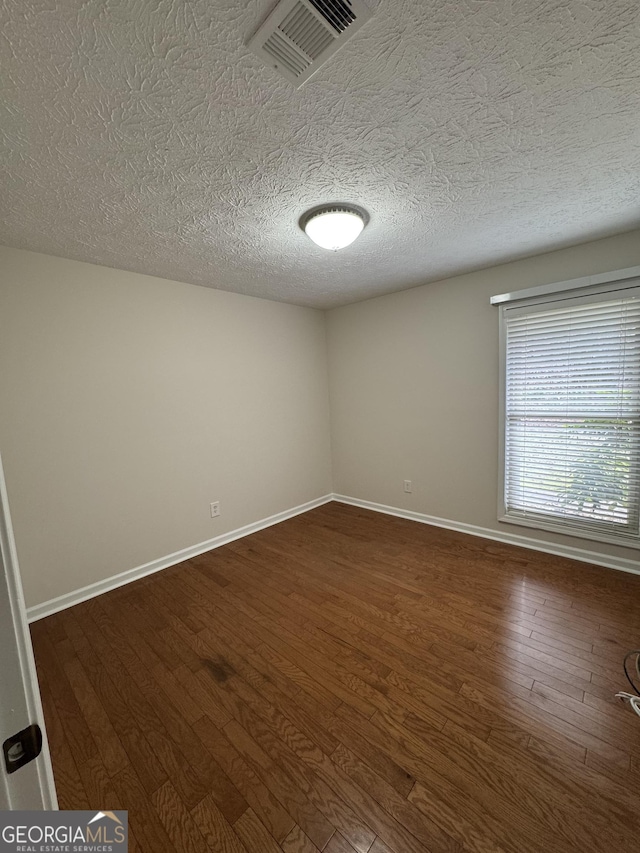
x,y
335,12
306,31
299,36
278,48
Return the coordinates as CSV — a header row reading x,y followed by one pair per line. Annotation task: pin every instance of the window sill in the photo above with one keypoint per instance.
x,y
626,540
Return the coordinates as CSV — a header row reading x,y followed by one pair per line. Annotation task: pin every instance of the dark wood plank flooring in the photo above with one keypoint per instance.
x,y
347,681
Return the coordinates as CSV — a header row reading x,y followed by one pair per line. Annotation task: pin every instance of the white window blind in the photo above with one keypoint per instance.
x,y
572,413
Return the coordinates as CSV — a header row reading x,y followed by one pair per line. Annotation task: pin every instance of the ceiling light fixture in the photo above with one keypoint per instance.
x,y
334,226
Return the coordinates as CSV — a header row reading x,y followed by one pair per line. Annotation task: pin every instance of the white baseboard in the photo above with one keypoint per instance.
x,y
609,562
39,611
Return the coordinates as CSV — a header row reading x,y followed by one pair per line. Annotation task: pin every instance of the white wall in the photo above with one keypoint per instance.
x,y
129,403
414,389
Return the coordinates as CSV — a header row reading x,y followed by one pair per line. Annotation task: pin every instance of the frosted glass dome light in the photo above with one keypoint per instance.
x,y
334,227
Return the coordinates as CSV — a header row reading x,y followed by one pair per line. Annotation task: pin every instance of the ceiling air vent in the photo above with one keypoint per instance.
x,y
300,35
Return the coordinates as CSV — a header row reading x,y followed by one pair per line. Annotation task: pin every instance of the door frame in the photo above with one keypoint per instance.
x,y
31,786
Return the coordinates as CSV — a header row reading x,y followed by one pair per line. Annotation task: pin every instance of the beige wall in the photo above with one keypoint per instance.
x,y
129,403
414,389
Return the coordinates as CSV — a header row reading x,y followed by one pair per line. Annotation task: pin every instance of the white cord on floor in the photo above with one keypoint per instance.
x,y
634,701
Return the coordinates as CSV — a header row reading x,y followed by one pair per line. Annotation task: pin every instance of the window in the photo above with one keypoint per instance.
x,y
571,412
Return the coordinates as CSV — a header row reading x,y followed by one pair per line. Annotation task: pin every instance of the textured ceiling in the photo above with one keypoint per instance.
x,y
142,134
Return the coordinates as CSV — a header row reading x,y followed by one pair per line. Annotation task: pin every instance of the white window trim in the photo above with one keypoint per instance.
x,y
587,281
601,283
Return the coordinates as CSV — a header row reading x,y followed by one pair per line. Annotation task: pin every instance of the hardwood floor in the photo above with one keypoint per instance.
x,y
347,681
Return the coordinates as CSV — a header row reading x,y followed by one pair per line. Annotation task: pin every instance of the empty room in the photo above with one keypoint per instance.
x,y
320,426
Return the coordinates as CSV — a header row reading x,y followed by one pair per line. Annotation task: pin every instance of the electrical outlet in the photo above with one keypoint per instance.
x,y
408,487
215,509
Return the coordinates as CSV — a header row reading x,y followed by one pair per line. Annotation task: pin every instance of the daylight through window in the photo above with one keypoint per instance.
x,y
572,413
